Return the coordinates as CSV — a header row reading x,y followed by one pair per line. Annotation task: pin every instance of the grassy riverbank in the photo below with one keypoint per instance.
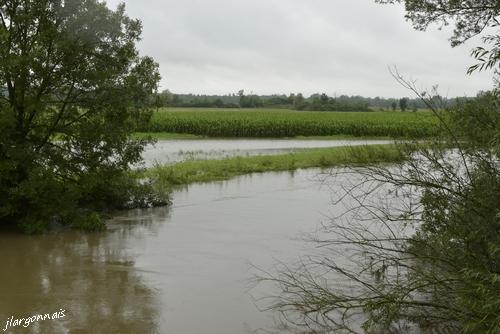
x,y
279,123
166,136
213,170
186,136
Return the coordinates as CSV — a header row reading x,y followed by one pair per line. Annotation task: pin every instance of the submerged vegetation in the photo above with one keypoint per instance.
x,y
286,123
165,177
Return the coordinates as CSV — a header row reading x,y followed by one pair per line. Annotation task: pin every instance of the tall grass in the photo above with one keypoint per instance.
x,y
285,123
213,170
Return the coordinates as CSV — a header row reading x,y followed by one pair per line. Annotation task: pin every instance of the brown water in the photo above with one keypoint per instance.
x,y
180,270
170,151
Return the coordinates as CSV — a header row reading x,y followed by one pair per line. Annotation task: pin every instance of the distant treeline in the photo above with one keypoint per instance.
x,y
316,102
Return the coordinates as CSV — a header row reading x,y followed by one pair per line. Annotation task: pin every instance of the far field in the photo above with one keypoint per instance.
x,y
280,123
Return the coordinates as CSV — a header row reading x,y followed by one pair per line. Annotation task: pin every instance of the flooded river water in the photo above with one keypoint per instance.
x,y
184,269
171,151
179,270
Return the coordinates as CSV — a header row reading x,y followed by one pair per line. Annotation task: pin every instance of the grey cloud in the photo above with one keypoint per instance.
x,y
283,46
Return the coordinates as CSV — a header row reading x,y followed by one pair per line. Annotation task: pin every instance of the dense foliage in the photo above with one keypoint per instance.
x,y
325,103
73,86
315,102
286,123
460,233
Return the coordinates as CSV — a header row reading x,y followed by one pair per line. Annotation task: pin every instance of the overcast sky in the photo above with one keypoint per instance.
x,y
309,46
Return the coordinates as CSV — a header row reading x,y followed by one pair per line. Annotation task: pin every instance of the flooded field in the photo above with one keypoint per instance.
x,y
171,151
180,270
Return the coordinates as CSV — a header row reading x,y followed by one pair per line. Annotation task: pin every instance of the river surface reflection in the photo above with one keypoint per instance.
x,y
179,270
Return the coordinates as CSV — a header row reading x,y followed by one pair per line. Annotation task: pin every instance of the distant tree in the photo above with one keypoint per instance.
x,y
219,103
175,100
324,98
403,104
249,101
165,98
276,100
75,90
299,99
394,106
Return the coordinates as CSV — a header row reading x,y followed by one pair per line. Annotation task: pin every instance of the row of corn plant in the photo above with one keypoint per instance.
x,y
285,123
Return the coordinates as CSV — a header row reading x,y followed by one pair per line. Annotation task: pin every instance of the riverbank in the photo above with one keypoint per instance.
x,y
187,136
187,172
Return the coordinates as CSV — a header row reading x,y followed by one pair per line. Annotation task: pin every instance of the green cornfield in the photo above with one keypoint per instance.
x,y
269,123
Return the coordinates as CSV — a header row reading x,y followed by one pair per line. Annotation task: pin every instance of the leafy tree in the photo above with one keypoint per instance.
x,y
165,98
74,88
324,99
249,101
219,103
299,99
469,17
403,104
394,106
298,102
